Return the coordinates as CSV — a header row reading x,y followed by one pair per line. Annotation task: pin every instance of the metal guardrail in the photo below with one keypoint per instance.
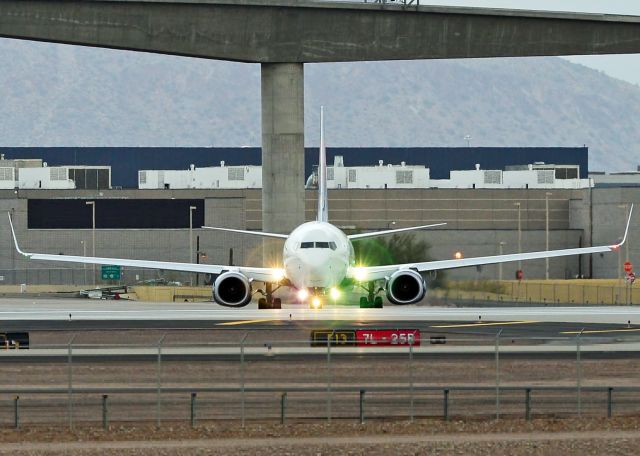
x,y
66,383
284,393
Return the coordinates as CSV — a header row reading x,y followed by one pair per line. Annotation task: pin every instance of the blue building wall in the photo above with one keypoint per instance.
x,y
126,161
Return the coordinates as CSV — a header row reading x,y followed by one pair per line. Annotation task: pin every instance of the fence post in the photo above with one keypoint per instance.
x,y
16,412
283,407
411,400
445,411
609,402
242,398
159,380
70,381
105,413
362,392
498,374
579,373
527,404
193,409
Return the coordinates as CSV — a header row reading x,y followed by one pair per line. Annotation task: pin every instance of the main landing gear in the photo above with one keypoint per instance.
x,y
376,303
269,302
371,301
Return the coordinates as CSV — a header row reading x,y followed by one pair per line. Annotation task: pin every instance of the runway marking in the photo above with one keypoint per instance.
x,y
473,325
596,331
244,322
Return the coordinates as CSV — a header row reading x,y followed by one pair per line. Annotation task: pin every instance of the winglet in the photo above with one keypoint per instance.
x,y
15,240
626,231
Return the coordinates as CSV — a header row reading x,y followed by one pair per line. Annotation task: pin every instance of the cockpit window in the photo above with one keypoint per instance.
x,y
318,245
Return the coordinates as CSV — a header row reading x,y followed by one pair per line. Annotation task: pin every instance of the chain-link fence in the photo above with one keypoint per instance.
x,y
467,377
84,277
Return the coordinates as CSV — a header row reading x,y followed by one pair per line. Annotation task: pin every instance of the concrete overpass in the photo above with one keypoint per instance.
x,y
282,35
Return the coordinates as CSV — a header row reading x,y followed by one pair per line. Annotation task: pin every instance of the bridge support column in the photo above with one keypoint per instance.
x,y
282,150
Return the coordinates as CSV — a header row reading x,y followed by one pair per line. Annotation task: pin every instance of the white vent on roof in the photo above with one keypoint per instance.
x,y
404,177
236,174
546,176
352,175
6,174
493,176
58,174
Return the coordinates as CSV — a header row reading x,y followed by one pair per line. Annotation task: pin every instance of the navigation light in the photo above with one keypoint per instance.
x,y
335,294
303,294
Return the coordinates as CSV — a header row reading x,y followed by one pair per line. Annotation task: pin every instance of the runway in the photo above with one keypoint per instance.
x,y
18,314
13,309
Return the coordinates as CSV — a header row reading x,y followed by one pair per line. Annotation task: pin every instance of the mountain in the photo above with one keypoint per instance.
x,y
55,95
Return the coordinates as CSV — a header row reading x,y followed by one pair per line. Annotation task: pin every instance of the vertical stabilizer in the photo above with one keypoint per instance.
x,y
323,209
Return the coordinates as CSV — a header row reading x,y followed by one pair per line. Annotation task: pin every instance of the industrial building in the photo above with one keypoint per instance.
x,y
153,223
403,175
126,162
210,177
22,174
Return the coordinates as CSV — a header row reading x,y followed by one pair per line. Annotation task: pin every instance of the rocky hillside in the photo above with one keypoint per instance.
x,y
54,95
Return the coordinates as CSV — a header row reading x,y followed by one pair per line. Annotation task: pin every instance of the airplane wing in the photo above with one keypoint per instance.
x,y
252,233
258,274
354,237
380,272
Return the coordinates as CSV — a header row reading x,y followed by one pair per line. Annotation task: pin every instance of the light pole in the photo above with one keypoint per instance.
x,y
518,205
191,209
500,245
93,237
468,139
546,209
84,265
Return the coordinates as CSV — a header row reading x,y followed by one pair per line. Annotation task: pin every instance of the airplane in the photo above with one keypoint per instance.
x,y
319,261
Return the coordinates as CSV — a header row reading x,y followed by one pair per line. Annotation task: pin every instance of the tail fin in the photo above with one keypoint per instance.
x,y
323,209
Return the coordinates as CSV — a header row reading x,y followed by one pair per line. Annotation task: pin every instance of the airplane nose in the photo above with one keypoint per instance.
x,y
317,268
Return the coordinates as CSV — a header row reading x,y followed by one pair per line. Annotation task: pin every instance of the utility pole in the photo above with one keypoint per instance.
x,y
546,206
93,237
518,205
191,209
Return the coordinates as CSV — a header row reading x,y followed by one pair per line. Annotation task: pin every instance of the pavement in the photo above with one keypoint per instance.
x,y
15,309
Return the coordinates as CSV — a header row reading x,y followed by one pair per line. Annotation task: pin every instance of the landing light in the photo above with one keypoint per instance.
x,y
360,274
315,302
277,275
303,294
335,294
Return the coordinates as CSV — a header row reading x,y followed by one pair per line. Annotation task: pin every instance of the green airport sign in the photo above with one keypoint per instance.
x,y
111,272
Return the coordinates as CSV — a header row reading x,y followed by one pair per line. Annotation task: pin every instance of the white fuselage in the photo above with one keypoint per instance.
x,y
317,255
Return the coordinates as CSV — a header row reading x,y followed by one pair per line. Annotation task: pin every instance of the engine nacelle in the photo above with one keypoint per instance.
x,y
406,287
232,289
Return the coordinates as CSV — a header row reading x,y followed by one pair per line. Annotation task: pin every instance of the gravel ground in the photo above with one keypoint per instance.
x,y
618,436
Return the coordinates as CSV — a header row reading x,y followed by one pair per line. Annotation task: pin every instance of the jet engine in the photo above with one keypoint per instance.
x,y
405,287
232,289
